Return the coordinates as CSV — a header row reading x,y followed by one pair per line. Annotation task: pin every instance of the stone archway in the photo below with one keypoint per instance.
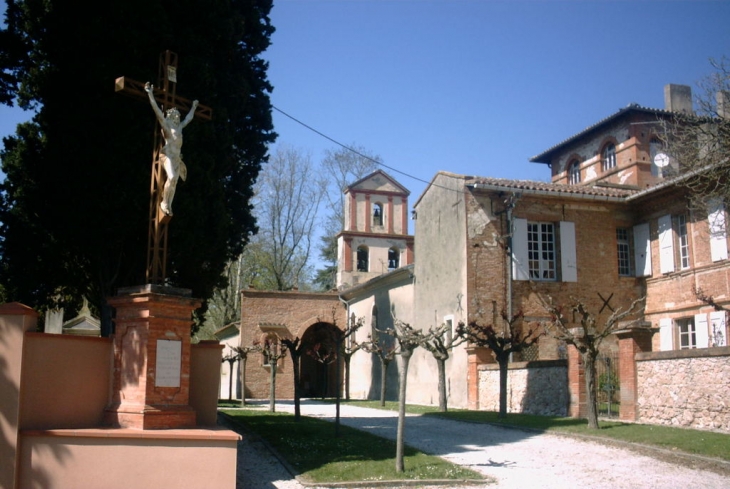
x,y
318,364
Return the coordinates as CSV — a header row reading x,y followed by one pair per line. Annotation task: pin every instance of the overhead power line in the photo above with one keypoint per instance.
x,y
379,163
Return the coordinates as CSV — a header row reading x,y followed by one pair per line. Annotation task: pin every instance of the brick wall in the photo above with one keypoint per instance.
x,y
287,315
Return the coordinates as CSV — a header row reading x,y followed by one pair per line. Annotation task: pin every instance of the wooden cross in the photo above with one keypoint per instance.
x,y
165,94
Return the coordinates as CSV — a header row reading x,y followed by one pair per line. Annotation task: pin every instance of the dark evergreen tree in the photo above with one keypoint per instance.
x,y
75,202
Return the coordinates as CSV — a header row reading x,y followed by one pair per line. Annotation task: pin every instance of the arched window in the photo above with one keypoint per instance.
x,y
574,172
608,157
393,258
362,259
377,214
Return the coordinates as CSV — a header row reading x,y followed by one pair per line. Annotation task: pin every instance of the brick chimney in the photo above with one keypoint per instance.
x,y
678,98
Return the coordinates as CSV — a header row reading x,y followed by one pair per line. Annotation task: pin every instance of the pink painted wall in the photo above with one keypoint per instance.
x,y
205,377
66,381
142,459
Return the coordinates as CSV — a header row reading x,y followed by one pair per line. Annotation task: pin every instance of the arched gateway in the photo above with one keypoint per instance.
x,y
315,318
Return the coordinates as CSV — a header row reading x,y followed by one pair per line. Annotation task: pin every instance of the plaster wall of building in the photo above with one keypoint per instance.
x,y
389,296
440,285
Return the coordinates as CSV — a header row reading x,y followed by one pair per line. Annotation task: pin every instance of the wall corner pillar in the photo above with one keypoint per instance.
x,y
630,342
15,320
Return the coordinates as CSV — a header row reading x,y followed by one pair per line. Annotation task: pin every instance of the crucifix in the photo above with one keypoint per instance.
x,y
165,154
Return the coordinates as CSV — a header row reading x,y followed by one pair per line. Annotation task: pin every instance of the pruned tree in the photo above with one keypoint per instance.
x,y
348,348
441,342
296,349
407,340
273,349
378,345
344,346
243,352
503,340
231,358
698,143
586,333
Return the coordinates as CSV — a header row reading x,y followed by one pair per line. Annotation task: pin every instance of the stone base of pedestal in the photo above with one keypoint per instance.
x,y
150,417
151,383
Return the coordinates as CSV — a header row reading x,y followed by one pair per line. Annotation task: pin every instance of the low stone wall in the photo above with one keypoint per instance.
x,y
539,387
689,388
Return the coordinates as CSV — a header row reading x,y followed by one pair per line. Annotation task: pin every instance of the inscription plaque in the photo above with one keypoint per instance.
x,y
167,370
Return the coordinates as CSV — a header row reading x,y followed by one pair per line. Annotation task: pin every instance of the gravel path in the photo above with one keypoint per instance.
x,y
514,458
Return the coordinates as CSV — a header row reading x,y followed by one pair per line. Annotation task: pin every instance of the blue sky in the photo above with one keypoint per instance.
x,y
473,86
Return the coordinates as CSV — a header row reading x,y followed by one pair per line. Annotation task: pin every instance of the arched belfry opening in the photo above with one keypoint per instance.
x,y
319,362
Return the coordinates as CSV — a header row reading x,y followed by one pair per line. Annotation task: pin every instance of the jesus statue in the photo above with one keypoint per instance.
x,y
171,153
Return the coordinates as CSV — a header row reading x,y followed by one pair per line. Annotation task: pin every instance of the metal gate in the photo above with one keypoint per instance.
x,y
608,384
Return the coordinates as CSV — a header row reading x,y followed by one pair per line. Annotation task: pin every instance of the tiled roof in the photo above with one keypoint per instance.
x,y
544,188
544,157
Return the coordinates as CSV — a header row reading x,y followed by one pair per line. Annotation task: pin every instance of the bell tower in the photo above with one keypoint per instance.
x,y
375,237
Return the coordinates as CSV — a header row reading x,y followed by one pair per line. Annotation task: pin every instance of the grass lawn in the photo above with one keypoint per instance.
x,y
705,443
310,446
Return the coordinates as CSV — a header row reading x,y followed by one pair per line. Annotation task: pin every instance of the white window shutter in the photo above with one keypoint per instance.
x,y
520,265
568,261
666,244
718,230
642,250
701,334
666,334
717,323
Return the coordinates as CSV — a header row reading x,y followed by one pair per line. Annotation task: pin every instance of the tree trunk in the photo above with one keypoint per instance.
x,y
272,387
589,363
242,366
337,395
383,376
442,384
297,393
399,465
503,362
347,376
230,381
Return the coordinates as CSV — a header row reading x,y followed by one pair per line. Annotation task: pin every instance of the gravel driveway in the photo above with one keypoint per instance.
x,y
514,458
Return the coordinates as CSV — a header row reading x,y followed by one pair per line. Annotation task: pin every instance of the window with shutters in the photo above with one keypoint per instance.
x,y
687,334
541,250
682,241
544,251
673,243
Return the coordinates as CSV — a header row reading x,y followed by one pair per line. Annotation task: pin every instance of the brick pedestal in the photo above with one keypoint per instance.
x,y
151,385
577,384
477,356
631,342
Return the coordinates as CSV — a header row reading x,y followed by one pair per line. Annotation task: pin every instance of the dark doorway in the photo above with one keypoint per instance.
x,y
319,361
